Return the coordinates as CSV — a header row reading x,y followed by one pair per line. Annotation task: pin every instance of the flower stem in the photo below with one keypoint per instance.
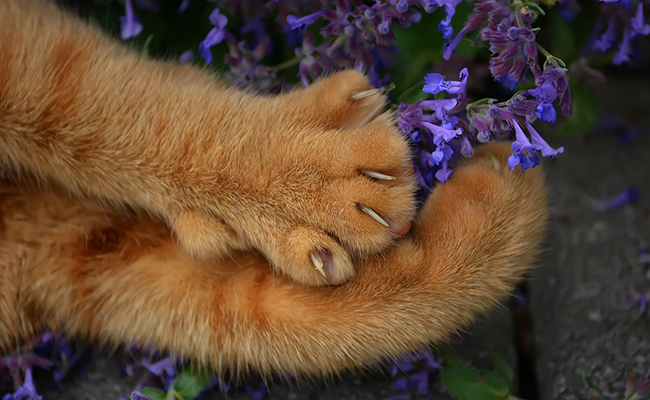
x,y
549,57
287,64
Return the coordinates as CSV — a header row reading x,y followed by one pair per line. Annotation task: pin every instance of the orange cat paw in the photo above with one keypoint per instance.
x,y
343,100
313,179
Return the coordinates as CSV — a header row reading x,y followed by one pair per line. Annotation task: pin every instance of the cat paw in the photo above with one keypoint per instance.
x,y
333,182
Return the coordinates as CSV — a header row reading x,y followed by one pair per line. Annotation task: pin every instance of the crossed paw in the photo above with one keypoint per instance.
x,y
325,178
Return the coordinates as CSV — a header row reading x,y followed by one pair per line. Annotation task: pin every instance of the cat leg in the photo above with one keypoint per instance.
x,y
474,240
81,110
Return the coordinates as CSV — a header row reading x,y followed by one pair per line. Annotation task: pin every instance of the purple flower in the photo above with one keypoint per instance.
x,y
553,83
637,388
215,36
139,396
260,392
607,39
245,70
624,50
439,106
129,23
450,47
524,151
183,6
445,24
166,365
302,23
418,367
313,59
27,391
186,57
435,83
443,174
513,50
547,151
638,22
627,196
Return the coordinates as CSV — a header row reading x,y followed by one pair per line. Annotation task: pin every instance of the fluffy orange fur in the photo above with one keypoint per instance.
x,y
213,186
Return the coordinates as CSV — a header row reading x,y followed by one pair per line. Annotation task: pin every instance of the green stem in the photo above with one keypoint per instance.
x,y
549,57
287,64
520,20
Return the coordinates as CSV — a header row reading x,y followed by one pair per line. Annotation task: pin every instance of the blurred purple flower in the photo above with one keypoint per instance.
x,y
418,368
186,57
245,70
639,300
215,36
260,392
25,392
627,196
183,6
638,23
313,59
637,388
302,23
129,23
139,396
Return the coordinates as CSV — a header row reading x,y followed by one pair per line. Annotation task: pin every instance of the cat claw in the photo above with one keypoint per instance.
x,y
364,94
374,215
382,91
378,175
318,263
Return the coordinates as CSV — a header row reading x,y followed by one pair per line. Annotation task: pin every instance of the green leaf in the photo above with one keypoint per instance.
x,y
153,394
413,94
501,367
591,385
467,383
189,384
585,112
562,41
497,383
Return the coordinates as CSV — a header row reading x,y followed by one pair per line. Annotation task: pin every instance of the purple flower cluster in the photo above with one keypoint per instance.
x,y
620,24
412,373
432,125
45,351
153,373
507,28
361,34
445,128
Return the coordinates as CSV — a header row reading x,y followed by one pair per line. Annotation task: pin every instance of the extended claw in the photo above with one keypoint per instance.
x,y
378,175
364,94
318,263
382,91
374,215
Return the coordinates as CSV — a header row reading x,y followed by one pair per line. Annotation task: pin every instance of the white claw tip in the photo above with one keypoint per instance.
x,y
378,175
317,263
365,93
374,215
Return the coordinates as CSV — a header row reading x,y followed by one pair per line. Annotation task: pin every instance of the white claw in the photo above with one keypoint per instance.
x,y
378,175
317,263
374,215
364,94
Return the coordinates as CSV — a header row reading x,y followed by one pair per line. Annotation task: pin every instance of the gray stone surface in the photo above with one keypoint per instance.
x,y
580,292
